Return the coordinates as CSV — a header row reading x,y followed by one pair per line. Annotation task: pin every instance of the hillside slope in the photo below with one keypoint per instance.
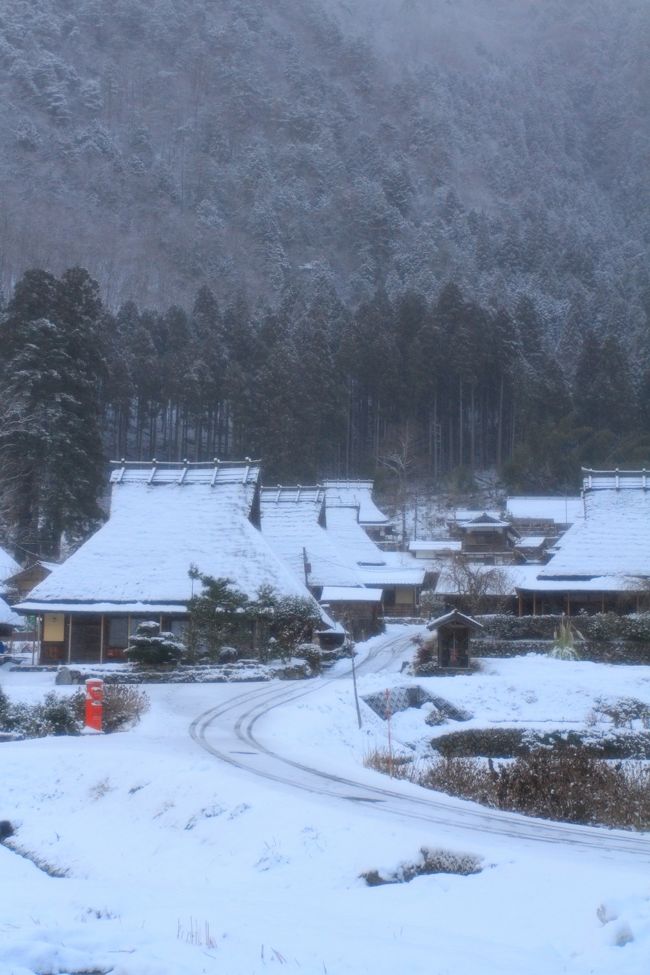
x,y
395,144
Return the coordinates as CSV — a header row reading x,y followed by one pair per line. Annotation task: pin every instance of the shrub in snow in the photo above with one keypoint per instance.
x,y
4,707
426,655
430,861
314,655
601,627
6,830
570,785
55,715
222,616
564,653
124,705
623,712
510,742
290,620
435,717
227,655
431,606
148,646
564,645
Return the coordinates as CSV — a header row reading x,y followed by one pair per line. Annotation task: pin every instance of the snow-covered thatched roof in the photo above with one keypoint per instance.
x,y
7,615
374,566
160,526
290,523
357,493
8,566
613,539
344,527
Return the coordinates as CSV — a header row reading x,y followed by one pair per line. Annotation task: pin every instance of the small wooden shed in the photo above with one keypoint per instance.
x,y
454,630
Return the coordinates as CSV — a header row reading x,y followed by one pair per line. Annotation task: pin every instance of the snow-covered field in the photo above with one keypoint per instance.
x,y
178,863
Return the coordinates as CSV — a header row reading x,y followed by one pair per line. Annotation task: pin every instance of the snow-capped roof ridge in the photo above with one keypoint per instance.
x,y
594,480
293,494
212,472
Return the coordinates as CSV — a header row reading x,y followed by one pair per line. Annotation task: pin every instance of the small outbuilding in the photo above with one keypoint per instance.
x,y
454,631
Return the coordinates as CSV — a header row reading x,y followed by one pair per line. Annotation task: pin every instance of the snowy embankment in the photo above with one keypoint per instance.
x,y
177,863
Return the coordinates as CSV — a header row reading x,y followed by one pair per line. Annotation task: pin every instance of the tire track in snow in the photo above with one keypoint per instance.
x,y
245,710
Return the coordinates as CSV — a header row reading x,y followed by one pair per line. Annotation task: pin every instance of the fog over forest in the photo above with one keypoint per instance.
x,y
344,237
394,144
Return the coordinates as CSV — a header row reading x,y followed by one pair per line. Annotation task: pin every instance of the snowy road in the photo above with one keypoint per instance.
x,y
232,732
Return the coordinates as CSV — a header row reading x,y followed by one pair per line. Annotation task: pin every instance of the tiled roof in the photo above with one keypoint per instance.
x,y
394,575
435,545
349,594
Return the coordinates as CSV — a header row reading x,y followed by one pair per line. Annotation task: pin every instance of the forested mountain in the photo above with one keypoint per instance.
x,y
342,236
393,144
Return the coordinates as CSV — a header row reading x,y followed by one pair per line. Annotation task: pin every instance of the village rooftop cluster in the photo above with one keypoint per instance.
x,y
329,543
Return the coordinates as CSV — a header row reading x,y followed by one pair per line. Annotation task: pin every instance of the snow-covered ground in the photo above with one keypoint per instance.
x,y
179,863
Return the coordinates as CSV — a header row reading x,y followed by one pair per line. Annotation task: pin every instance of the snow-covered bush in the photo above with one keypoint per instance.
x,y
426,655
564,645
53,716
569,784
58,715
124,705
430,861
290,620
150,647
512,742
623,712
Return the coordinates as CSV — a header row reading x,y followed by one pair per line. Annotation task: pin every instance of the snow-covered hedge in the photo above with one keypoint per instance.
x,y
510,742
599,626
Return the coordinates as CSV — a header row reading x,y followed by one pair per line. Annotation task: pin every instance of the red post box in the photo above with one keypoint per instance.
x,y
94,704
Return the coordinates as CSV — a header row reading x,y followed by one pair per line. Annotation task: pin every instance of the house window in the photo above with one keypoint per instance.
x,y
134,621
178,628
118,631
54,627
404,596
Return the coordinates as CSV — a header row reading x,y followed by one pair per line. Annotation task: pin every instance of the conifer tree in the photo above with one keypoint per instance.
x,y
51,462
